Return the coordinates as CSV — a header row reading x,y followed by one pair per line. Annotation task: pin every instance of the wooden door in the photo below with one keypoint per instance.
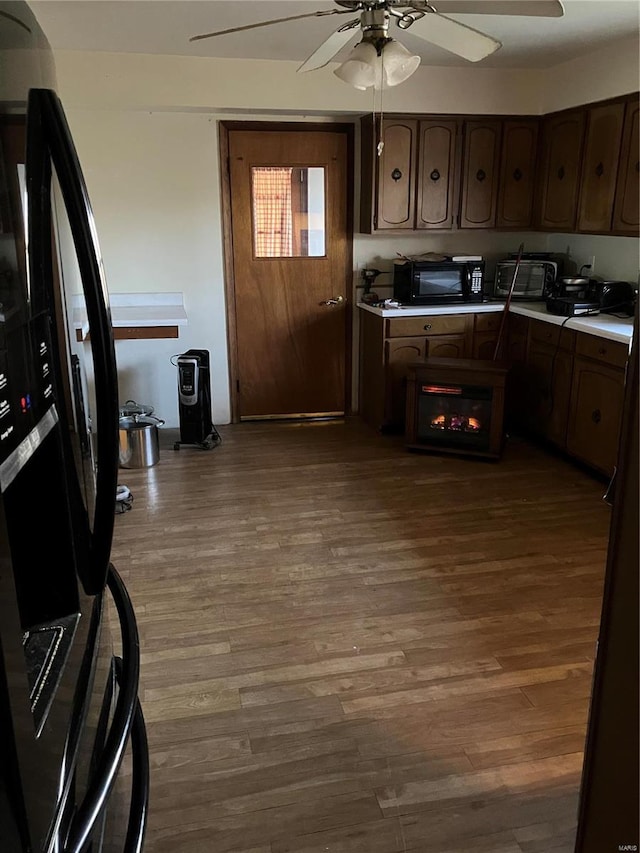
x,y
395,207
290,234
600,168
480,174
435,206
626,217
517,174
562,138
596,409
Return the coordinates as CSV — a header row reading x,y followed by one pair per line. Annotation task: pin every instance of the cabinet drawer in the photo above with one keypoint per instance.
x,y
548,333
488,322
444,324
611,352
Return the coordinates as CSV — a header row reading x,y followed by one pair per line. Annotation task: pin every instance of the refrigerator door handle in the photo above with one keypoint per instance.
x,y
49,135
109,762
139,810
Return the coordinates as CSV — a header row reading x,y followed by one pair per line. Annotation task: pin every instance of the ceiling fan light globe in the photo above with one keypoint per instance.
x,y
359,69
398,63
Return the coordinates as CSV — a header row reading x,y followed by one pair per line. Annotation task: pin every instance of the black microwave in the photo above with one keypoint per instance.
x,y
438,283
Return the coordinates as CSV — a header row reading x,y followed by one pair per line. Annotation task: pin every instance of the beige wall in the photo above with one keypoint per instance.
x,y
146,132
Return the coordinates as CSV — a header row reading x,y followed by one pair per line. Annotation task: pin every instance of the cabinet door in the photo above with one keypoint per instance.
x,y
484,345
517,174
562,138
480,174
399,353
625,213
435,206
549,372
395,206
600,168
515,352
596,410
448,346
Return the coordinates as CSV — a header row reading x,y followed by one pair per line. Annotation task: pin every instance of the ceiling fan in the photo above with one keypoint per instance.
x,y
379,57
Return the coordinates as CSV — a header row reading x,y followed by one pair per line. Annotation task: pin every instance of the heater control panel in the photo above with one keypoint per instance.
x,y
188,369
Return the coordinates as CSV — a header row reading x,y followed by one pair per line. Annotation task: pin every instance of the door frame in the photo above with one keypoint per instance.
x,y
224,128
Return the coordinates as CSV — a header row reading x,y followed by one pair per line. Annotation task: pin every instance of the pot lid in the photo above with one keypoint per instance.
x,y
133,408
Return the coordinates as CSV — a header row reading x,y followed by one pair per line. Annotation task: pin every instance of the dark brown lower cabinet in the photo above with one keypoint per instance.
x,y
566,388
549,391
596,409
447,346
400,352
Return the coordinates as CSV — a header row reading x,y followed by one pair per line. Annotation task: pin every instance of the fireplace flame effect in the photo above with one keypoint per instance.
x,y
457,423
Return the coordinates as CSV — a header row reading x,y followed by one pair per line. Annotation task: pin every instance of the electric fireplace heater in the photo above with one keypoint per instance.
x,y
456,406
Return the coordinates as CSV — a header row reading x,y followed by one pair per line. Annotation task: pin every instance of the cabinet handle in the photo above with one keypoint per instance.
x,y
427,327
517,175
435,175
481,175
602,351
396,174
599,170
561,173
596,416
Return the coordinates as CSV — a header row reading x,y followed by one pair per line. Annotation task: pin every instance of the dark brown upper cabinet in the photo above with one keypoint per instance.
x,y
559,172
573,171
480,172
600,167
389,177
625,211
517,174
435,200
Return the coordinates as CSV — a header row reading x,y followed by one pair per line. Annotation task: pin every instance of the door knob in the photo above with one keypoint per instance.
x,y
335,300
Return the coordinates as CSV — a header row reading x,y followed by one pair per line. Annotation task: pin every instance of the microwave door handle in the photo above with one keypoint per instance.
x,y
57,138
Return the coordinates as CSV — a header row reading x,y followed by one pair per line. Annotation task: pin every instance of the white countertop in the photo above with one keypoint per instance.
x,y
601,325
136,309
431,310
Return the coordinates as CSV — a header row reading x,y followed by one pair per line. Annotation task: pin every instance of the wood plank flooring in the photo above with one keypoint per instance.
x,y
348,647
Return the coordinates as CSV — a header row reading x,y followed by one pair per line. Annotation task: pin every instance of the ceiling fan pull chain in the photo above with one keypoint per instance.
x,y
380,145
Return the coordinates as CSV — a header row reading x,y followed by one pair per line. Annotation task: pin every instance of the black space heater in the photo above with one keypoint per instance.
x,y
194,400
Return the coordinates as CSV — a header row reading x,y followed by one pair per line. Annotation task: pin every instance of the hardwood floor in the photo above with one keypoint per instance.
x,y
348,647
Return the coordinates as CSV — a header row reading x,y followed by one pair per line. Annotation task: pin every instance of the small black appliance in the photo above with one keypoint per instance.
x,y
438,282
617,297
194,397
572,306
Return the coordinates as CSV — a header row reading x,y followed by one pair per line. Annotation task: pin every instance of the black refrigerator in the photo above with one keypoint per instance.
x,y
74,765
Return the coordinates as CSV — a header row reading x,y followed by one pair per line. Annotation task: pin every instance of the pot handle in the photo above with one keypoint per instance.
x,y
137,419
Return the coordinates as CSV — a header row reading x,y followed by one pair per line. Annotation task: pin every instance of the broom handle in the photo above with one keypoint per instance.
x,y
508,302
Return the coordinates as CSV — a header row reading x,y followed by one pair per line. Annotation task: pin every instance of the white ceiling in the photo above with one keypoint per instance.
x,y
165,26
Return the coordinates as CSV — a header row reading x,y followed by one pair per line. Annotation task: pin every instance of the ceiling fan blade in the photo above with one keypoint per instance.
x,y
455,37
328,49
533,8
320,14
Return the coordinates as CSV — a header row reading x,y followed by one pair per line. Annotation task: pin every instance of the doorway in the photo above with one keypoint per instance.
x,y
288,232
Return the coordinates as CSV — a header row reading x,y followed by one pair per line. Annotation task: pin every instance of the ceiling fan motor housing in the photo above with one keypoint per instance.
x,y
375,25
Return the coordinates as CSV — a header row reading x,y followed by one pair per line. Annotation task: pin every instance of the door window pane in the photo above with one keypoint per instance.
x,y
288,211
